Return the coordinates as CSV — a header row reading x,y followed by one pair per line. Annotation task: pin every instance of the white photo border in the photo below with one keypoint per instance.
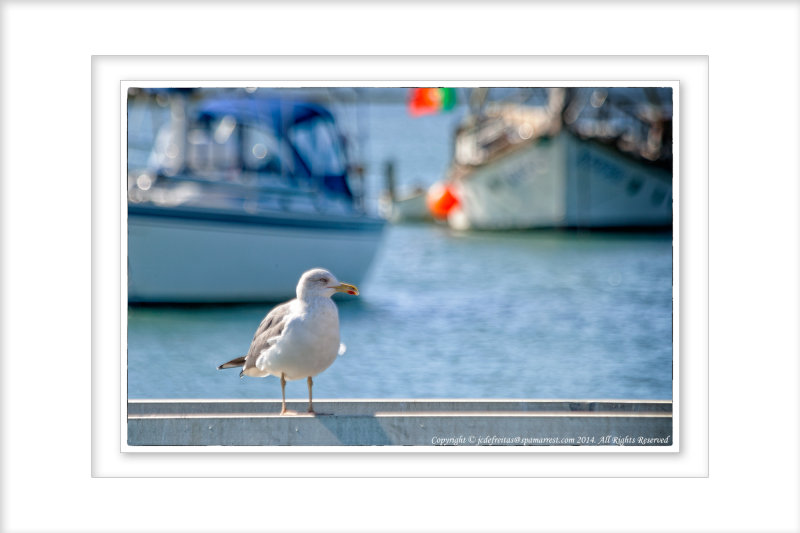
x,y
112,74
750,482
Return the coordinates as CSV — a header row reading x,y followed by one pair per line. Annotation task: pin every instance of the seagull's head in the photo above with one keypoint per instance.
x,y
319,282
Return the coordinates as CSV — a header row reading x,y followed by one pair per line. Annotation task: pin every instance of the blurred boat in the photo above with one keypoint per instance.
x,y
586,158
240,196
410,207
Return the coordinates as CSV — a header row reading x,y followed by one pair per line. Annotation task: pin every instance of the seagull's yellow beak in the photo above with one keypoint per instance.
x,y
346,287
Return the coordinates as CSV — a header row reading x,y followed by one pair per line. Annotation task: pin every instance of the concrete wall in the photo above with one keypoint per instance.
x,y
400,423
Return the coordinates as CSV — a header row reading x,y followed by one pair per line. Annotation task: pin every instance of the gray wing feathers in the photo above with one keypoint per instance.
x,y
233,363
271,327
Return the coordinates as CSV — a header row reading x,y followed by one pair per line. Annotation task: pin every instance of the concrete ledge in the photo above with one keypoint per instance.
x,y
400,423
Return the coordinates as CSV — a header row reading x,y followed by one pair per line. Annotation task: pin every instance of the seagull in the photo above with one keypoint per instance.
x,y
299,338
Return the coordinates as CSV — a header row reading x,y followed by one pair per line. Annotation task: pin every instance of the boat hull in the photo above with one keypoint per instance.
x,y
563,182
184,256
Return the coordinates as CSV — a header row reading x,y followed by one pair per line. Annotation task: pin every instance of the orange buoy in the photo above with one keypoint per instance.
x,y
441,200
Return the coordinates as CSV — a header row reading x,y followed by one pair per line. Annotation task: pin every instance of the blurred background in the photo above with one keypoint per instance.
x,y
507,242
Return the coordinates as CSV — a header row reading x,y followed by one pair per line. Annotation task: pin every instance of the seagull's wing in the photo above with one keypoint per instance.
x,y
268,332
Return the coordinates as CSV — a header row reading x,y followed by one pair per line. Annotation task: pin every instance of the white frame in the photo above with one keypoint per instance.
x,y
117,73
109,71
751,482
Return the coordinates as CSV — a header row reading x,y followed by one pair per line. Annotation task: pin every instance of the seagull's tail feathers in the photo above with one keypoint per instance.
x,y
233,363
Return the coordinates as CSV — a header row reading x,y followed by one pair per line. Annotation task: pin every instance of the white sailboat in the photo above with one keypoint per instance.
x,y
241,197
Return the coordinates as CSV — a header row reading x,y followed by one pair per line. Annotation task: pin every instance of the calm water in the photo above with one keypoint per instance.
x,y
543,314
520,315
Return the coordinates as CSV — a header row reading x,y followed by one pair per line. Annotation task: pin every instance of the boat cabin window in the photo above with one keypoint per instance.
x,y
222,147
319,146
262,151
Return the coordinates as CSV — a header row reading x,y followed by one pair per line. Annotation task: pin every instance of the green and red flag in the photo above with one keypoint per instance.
x,y
428,100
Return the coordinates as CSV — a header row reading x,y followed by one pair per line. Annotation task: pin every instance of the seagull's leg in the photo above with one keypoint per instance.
x,y
310,405
283,394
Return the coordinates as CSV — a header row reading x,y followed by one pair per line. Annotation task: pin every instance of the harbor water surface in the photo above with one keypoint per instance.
x,y
542,314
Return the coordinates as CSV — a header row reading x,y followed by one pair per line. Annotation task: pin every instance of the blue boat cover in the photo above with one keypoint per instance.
x,y
278,114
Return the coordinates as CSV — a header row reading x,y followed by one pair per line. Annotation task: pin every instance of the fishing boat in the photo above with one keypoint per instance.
x,y
585,158
240,196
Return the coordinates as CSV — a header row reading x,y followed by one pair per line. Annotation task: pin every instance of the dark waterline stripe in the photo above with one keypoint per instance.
x,y
365,223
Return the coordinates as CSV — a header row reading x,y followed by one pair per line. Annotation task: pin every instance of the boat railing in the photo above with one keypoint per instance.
x,y
248,189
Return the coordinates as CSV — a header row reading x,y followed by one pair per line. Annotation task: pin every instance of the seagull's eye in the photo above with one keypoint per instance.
x,y
323,280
